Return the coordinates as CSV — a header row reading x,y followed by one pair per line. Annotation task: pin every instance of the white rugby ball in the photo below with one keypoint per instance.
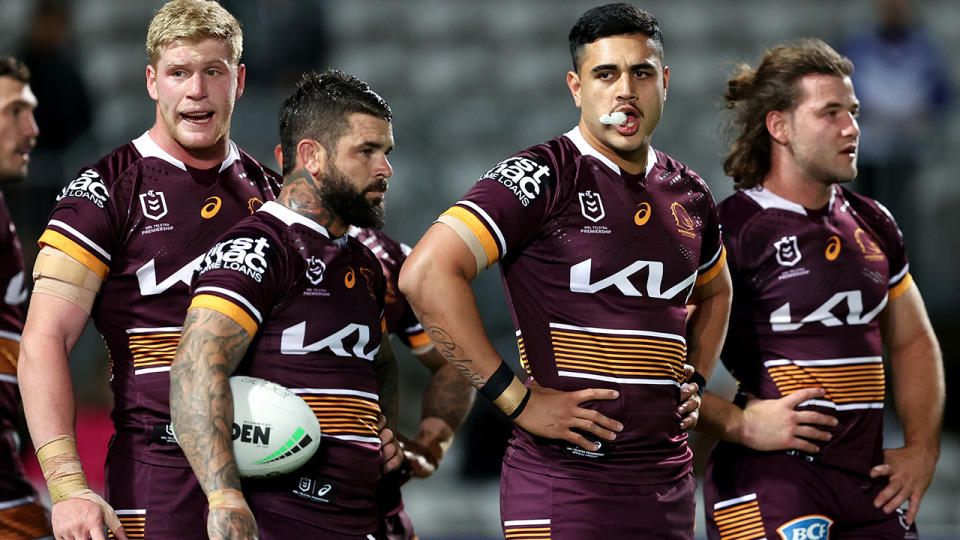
x,y
274,430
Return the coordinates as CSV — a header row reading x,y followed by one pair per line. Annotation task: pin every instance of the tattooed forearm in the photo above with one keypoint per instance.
x,y
201,404
388,378
453,354
448,396
302,194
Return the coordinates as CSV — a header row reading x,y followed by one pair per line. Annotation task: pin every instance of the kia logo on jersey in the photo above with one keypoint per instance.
x,y
788,252
154,205
591,206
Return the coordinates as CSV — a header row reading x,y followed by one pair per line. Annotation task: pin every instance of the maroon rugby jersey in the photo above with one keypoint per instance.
x,y
598,265
809,286
142,220
401,320
314,305
14,488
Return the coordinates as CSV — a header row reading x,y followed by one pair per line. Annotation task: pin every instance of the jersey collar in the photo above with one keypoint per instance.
x,y
576,137
289,217
767,199
148,148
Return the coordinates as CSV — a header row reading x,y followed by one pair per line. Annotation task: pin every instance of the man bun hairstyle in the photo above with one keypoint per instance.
x,y
319,108
772,86
612,20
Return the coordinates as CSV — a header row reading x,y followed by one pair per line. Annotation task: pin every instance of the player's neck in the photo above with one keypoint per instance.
x,y
807,193
301,193
633,162
205,158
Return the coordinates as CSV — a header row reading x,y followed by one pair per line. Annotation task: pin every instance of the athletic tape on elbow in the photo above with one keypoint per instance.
x,y
58,274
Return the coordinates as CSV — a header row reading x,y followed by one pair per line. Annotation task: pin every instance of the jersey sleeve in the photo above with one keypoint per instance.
x,y
506,207
406,326
241,276
712,253
85,222
896,251
883,227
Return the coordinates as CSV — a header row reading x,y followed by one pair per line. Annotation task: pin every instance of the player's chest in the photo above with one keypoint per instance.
x,y
333,310
606,231
168,230
832,270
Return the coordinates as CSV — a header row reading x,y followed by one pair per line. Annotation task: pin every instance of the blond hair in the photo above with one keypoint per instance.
x,y
193,20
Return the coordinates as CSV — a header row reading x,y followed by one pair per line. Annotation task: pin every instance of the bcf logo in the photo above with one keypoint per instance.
x,y
806,528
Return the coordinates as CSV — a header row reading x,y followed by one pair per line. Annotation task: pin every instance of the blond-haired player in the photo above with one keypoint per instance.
x,y
120,248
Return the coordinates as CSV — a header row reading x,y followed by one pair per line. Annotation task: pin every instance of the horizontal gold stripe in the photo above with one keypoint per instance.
x,y
76,251
419,340
752,505
714,270
613,339
645,368
225,307
479,231
897,290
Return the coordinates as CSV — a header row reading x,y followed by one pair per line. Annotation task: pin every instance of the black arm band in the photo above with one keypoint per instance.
x,y
498,382
523,403
701,382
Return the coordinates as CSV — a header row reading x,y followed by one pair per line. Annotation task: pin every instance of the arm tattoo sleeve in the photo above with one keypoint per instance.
x,y
201,405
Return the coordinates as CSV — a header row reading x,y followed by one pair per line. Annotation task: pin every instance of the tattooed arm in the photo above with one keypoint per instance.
x,y
388,376
436,281
201,407
446,404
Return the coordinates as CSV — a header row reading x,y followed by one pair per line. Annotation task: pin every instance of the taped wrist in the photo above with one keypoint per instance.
x,y
227,498
700,382
61,467
506,391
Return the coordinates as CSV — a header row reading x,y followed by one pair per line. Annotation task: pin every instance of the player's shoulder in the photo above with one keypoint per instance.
x,y
870,210
381,244
259,170
737,210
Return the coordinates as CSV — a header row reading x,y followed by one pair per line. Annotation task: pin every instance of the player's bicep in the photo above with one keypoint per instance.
x,y
444,250
60,275
52,322
719,284
905,319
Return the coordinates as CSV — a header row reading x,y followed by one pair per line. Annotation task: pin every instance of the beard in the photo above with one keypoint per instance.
x,y
350,203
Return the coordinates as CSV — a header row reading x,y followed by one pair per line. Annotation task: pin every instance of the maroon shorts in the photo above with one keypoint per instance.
x,y
395,524
279,526
782,497
535,506
24,520
154,501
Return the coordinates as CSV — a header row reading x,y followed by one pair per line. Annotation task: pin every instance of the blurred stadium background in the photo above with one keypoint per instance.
x,y
470,82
